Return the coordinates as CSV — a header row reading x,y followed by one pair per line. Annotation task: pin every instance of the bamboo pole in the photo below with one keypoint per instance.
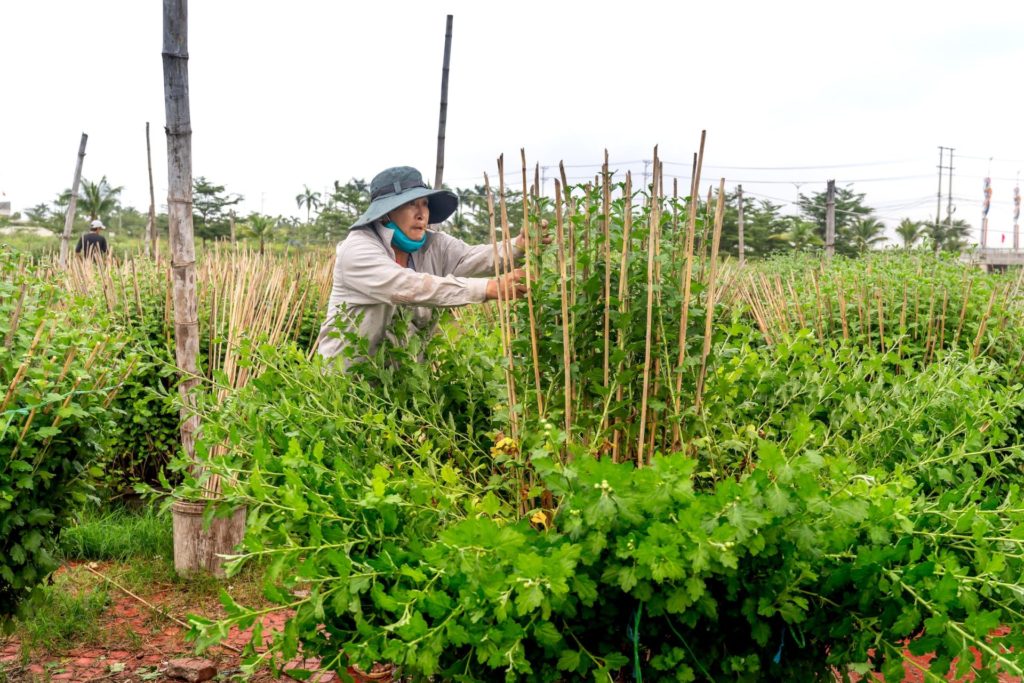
x,y
984,323
443,117
640,462
963,313
195,549
606,229
566,361
709,306
503,321
529,293
842,310
69,217
571,234
686,276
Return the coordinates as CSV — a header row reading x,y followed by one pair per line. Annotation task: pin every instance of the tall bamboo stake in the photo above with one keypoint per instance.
x,y
566,361
984,323
69,218
606,223
152,243
503,321
709,306
570,233
443,117
942,324
529,293
507,242
963,312
647,335
627,224
686,276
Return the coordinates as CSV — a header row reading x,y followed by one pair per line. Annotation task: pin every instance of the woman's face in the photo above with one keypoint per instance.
x,y
412,218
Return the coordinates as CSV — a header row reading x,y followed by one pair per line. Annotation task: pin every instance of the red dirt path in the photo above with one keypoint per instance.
x,y
136,644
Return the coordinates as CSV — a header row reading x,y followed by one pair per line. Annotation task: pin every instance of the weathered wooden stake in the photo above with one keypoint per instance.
x,y
443,119
69,219
152,244
195,549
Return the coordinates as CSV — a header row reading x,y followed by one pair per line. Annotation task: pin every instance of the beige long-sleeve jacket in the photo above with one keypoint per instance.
x,y
369,284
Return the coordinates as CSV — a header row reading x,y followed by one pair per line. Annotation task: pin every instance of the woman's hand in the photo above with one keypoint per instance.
x,y
511,285
545,238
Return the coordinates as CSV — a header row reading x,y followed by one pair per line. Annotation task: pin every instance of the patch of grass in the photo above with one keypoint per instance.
x,y
68,615
118,535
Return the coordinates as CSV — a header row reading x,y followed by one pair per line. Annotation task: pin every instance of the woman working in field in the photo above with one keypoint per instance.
x,y
390,259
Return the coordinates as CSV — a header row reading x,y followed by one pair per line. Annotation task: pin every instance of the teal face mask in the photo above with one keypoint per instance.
x,y
402,243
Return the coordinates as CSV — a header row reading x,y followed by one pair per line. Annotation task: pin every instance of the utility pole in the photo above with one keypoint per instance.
x,y
830,219
949,199
739,227
443,120
938,203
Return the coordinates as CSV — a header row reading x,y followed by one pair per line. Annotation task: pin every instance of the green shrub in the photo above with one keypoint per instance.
x,y
60,367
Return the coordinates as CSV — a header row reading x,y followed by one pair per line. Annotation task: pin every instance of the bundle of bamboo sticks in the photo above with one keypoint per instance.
x,y
924,311
612,310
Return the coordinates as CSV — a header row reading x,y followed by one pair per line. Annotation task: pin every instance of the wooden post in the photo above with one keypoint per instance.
x,y
830,219
69,219
231,226
740,246
443,121
195,549
151,236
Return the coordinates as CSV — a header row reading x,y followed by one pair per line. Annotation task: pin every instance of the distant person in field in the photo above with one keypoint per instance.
x,y
392,263
92,242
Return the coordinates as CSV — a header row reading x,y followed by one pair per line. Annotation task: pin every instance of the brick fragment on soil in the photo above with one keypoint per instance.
x,y
191,670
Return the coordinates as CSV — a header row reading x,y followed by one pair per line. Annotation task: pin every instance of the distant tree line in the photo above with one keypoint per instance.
x,y
329,214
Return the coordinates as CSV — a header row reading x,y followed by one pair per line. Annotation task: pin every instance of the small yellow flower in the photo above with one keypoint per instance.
x,y
540,517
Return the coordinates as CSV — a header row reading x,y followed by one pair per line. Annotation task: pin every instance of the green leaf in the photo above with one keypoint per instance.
x,y
569,660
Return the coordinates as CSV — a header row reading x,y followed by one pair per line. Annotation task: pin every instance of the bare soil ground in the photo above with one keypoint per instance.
x,y
130,642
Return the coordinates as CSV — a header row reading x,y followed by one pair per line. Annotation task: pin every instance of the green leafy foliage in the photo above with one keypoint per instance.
x,y
834,498
59,366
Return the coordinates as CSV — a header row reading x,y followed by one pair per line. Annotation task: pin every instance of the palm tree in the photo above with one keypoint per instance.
x,y
309,199
909,231
951,236
261,227
865,233
801,235
98,199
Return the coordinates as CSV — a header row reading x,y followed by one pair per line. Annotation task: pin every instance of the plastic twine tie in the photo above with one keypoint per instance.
x,y
782,641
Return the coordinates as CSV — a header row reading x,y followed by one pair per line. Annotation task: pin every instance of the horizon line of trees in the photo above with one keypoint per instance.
x,y
329,214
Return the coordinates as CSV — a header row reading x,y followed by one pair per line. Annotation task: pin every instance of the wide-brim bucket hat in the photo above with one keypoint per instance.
x,y
398,185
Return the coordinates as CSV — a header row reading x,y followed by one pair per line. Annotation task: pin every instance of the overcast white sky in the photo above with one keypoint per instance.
x,y
306,92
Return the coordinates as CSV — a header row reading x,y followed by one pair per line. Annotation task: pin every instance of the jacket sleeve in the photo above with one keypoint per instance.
x,y
463,260
367,271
